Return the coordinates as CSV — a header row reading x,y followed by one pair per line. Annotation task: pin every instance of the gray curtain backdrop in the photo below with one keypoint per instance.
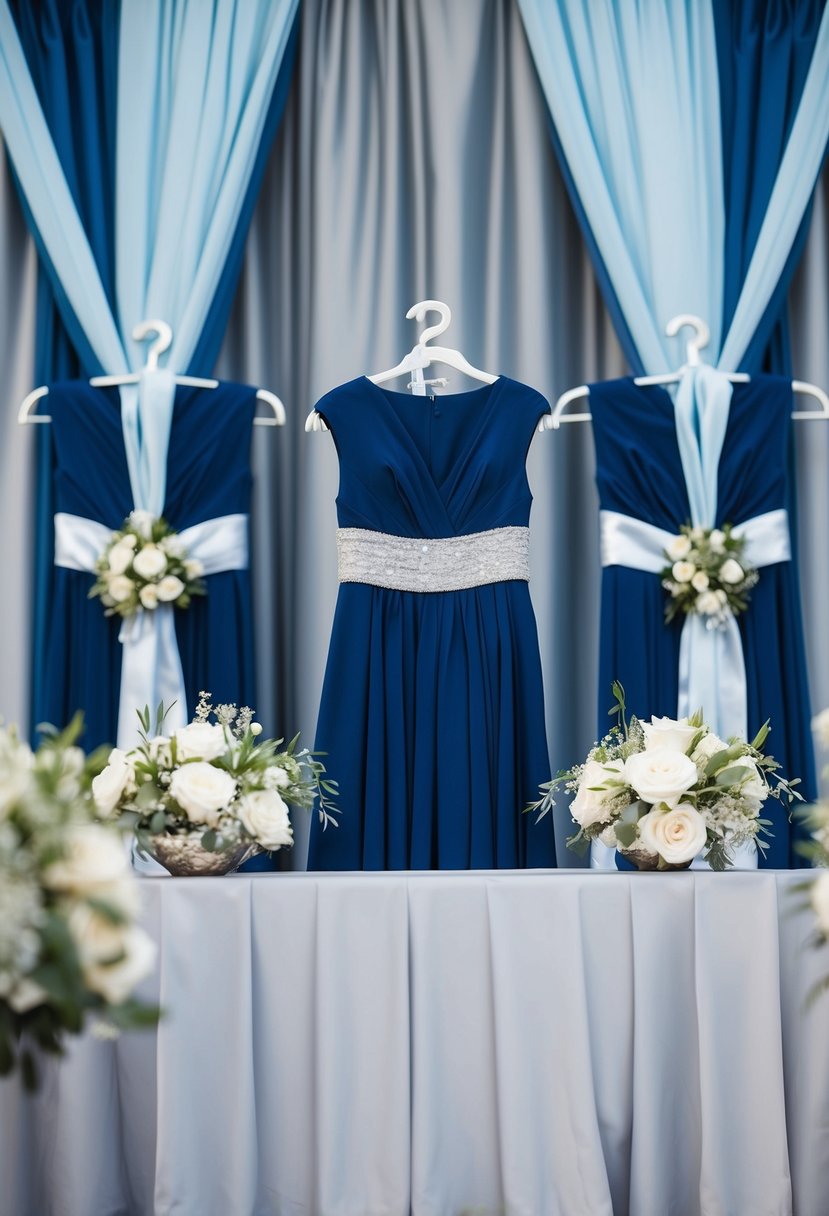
x,y
414,161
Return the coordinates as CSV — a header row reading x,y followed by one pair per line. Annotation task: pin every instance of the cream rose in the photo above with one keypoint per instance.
x,y
673,733
717,540
149,562
590,805
200,741
170,588
677,835
707,747
820,902
95,856
110,784
120,588
120,556
149,596
731,572
114,958
193,568
700,581
202,791
683,572
661,775
708,603
265,816
679,548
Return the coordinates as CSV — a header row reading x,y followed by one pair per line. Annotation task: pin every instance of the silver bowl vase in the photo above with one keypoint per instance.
x,y
183,855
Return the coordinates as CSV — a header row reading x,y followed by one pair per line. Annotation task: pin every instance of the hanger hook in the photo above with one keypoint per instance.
x,y
418,311
701,337
164,333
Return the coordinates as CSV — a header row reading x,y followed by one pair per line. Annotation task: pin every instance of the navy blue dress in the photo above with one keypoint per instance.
x,y
208,475
432,711
639,473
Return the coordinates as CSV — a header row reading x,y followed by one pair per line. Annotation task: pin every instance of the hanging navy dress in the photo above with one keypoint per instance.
x,y
432,712
208,476
639,473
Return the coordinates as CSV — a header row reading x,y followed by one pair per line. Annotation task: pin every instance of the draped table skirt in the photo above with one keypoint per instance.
x,y
537,1043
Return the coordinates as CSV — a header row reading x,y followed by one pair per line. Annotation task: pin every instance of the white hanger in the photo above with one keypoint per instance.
x,y
164,337
419,357
694,345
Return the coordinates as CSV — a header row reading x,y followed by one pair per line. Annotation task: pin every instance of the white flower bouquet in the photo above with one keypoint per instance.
x,y
69,945
215,784
707,573
665,791
144,566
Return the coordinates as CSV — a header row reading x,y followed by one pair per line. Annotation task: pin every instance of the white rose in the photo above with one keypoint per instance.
x,y
820,724
683,572
143,522
678,548
202,791
700,581
722,596
820,902
708,746
120,556
708,603
200,741
149,596
677,835
755,789
170,588
26,994
110,784
128,540
731,572
277,779
673,733
590,805
661,775
149,562
121,588
717,540
697,535
114,958
265,817
94,856
193,568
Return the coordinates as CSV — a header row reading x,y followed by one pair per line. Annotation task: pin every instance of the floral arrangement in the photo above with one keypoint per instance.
x,y
143,566
668,790
707,573
69,944
213,778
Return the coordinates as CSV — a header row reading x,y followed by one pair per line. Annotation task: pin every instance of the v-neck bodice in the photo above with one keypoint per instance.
x,y
432,466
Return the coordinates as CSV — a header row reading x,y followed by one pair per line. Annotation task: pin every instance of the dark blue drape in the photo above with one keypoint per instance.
x,y
71,47
764,48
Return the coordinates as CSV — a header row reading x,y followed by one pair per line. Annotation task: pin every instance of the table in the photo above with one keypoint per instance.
x,y
534,1043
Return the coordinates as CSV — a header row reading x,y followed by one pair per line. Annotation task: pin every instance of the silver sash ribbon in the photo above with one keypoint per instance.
x,y
711,665
454,563
151,664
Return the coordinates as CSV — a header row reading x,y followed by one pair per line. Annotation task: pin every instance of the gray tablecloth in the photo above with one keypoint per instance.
x,y
538,1044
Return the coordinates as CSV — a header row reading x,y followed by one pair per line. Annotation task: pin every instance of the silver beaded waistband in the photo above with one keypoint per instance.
x,y
454,563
